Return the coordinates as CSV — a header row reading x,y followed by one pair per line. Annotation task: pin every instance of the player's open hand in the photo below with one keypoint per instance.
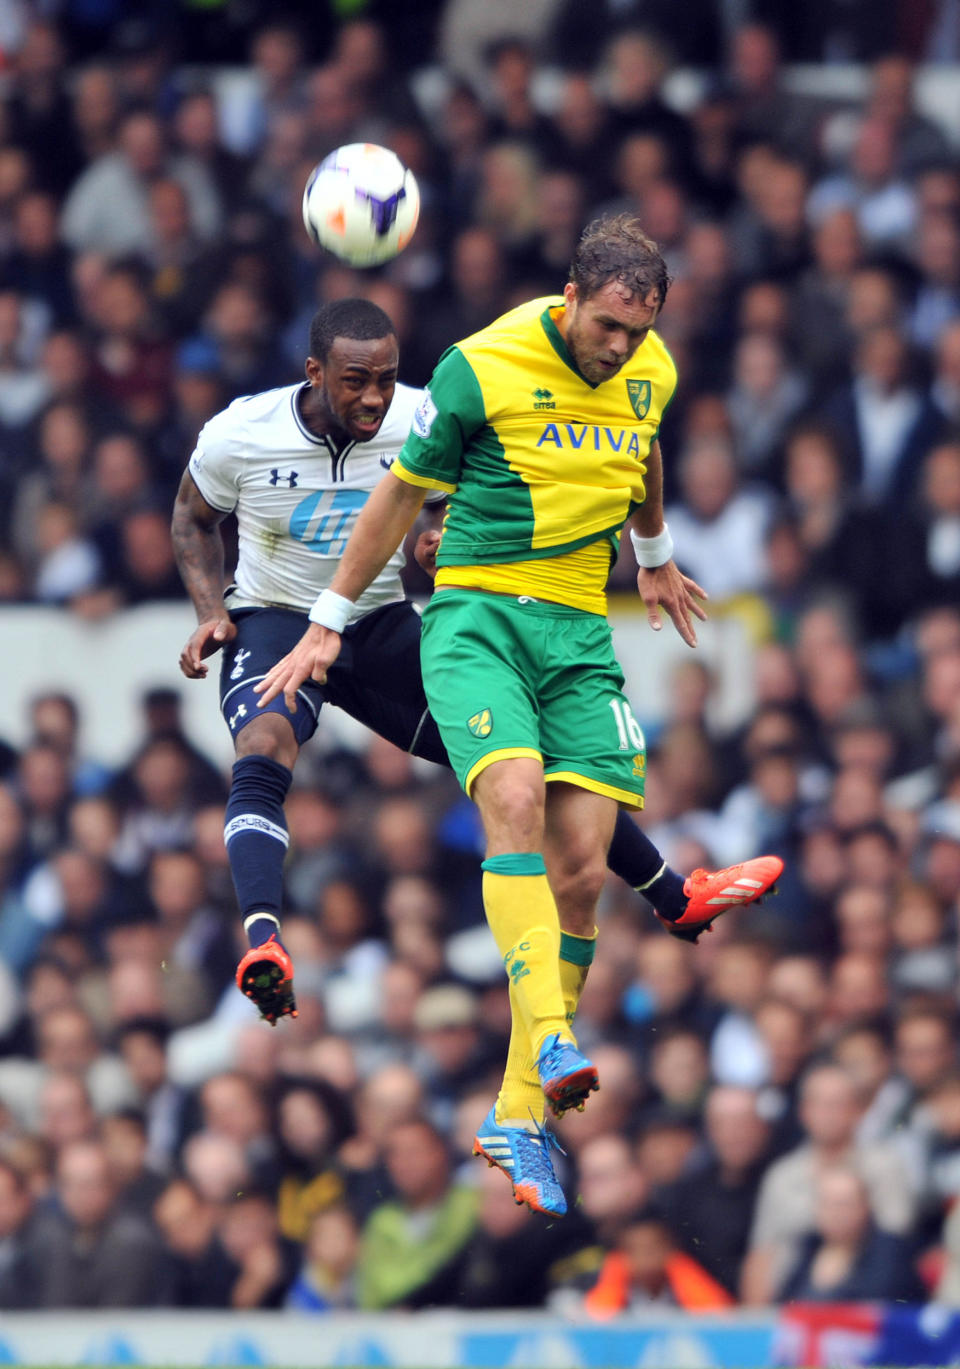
x,y
425,552
667,588
205,639
310,659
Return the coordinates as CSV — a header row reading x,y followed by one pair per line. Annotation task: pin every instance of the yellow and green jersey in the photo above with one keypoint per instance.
x,y
542,467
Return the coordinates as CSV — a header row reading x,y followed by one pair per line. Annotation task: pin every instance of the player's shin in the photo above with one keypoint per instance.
x,y
523,917
520,1102
255,833
633,856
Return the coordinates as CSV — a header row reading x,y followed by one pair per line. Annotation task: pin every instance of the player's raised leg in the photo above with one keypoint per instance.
x,y
267,742
687,906
255,833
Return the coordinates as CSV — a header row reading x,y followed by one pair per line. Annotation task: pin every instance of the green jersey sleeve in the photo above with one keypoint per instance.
x,y
451,412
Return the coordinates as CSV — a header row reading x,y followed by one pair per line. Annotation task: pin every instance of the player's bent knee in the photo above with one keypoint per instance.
x,y
271,736
577,887
514,809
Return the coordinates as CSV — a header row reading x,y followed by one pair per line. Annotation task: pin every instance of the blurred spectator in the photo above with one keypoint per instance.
x,y
90,1252
821,294
763,107
718,528
892,98
310,1118
937,258
467,32
514,1259
882,419
15,1215
764,396
142,1047
66,1044
846,1258
637,64
107,207
39,109
883,203
186,1222
409,1246
327,1278
646,1268
38,267
238,325
829,1111
251,1266
612,1184
711,1210
131,360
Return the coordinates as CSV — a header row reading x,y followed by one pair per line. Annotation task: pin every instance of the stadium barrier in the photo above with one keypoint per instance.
x,y
107,664
810,1336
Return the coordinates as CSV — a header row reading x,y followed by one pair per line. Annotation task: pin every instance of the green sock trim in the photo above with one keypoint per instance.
x,y
577,950
521,863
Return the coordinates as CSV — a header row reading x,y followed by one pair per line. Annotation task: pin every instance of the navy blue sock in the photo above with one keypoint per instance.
x,y
255,833
636,860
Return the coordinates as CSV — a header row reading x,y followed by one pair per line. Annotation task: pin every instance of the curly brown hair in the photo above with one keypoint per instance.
x,y
618,249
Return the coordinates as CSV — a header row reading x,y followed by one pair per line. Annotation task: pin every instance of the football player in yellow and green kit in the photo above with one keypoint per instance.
x,y
542,428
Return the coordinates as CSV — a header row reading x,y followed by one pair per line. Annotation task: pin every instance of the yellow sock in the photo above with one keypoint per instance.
x,y
523,918
576,957
521,1099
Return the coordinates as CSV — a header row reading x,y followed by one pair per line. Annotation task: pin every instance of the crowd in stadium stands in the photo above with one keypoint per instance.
x,y
780,1109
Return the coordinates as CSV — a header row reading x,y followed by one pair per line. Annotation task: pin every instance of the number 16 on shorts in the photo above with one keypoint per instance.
x,y
629,730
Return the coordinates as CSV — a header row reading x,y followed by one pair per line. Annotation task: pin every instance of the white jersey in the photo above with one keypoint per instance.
x,y
296,495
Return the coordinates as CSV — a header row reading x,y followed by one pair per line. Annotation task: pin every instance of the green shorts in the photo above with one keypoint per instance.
x,y
509,677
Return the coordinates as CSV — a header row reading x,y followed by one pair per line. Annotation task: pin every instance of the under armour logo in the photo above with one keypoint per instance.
x,y
276,476
238,661
240,713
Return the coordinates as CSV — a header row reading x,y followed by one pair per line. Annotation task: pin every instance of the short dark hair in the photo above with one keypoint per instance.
x,y
617,249
353,318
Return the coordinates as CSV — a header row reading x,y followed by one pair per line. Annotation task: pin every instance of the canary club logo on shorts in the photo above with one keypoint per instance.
x,y
481,724
639,766
639,392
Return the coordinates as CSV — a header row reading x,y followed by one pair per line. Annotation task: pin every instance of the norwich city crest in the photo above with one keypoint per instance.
x,y
481,724
639,392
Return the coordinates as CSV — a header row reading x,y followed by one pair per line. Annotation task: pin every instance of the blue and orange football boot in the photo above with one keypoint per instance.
x,y
524,1157
566,1075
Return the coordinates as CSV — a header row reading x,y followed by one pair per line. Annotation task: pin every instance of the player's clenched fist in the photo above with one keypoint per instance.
x,y
310,659
205,639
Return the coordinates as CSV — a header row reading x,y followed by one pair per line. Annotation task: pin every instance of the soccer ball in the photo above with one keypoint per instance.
x,y
362,204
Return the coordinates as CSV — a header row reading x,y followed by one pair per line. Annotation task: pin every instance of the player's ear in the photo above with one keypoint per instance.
x,y
313,368
570,293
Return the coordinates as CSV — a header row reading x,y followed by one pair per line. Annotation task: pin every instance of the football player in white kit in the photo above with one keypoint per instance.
x,y
297,464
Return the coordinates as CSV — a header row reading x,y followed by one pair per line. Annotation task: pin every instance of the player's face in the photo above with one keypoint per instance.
x,y
353,389
603,330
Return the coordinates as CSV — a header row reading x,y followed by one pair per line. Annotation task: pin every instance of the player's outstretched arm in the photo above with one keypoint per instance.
x,y
198,547
384,521
663,585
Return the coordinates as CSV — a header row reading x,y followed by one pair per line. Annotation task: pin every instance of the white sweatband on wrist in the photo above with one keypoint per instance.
x,y
331,610
652,551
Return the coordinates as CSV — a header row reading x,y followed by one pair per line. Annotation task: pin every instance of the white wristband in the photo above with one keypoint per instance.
x,y
652,551
331,610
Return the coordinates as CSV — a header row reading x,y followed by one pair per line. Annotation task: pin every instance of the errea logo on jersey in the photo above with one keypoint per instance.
x,y
543,399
